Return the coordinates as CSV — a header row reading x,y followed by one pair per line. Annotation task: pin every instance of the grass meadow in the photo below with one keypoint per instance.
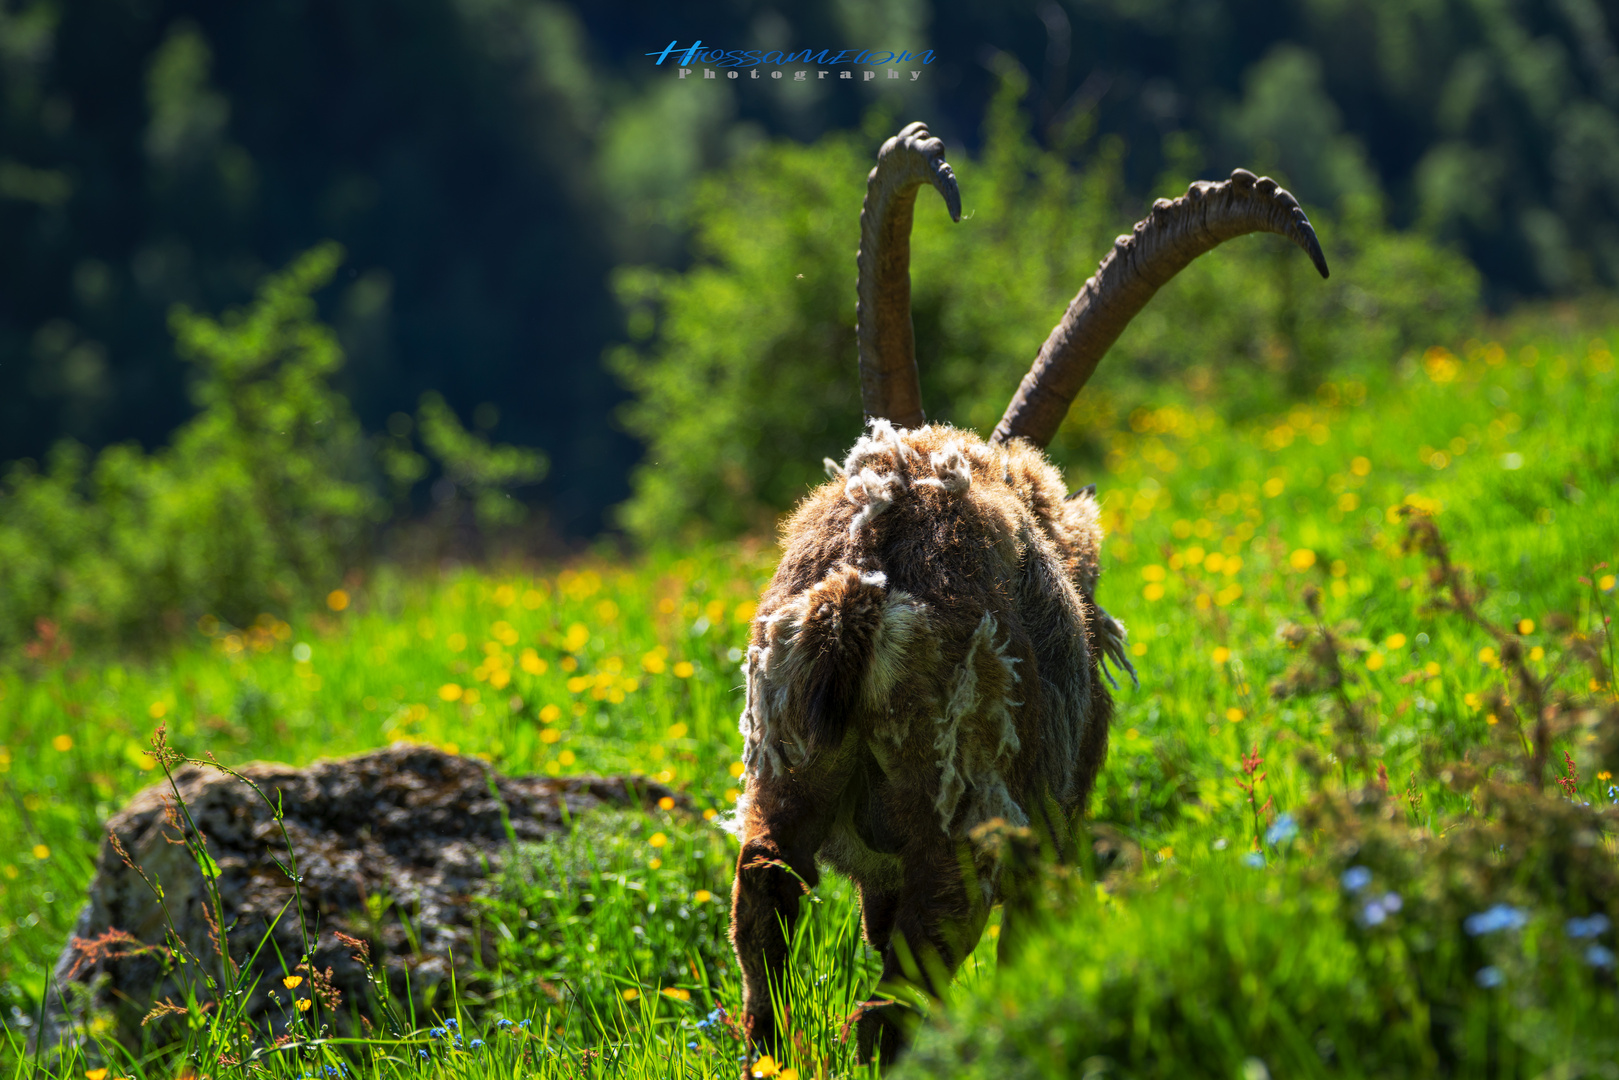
x,y
615,961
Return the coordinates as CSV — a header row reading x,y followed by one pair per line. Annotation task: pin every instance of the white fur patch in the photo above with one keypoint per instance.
x,y
760,752
881,442
951,472
904,619
969,723
873,493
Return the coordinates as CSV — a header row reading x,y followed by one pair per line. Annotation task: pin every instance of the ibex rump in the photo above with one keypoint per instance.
x,y
929,655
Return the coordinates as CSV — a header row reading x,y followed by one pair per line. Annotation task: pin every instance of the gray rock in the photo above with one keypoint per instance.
x,y
392,848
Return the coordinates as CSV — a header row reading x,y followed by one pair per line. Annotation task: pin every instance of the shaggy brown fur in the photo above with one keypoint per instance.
x,y
926,660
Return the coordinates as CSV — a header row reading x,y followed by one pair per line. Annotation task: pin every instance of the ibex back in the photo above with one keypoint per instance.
x,y
929,657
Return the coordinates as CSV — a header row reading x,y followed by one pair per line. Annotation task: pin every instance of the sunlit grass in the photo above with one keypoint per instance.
x,y
607,667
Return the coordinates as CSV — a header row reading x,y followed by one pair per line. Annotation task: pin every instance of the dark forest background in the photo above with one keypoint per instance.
x,y
486,164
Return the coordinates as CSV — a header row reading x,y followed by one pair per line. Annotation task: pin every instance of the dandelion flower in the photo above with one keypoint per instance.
x,y
1395,641
658,839
41,852
1374,662
684,670
1302,559
666,803
567,757
64,743
1234,714
1221,654
631,994
451,692
702,896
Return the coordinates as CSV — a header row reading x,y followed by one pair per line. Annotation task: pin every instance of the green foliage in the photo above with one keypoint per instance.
x,y
586,910
482,471
746,377
605,667
261,498
265,497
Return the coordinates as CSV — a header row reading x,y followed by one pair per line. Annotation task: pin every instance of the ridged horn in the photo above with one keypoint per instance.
x,y
1158,248
889,386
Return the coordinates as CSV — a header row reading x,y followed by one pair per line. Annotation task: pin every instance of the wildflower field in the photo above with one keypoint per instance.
x,y
1359,818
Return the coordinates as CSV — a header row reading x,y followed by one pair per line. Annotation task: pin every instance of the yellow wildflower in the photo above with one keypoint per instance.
x,y
1302,559
293,982
451,692
684,670
337,599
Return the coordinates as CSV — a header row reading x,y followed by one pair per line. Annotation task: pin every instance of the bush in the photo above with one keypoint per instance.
x,y
267,495
745,375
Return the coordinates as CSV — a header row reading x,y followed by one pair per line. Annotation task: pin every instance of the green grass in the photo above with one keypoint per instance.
x,y
600,666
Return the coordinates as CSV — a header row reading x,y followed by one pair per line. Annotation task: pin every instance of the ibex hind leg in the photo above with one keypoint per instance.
x,y
934,923
787,820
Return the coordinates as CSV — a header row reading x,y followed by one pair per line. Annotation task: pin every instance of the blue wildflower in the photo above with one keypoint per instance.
x,y
458,1042
504,1023
1282,830
423,1054
1380,908
1593,926
1599,956
451,1024
1254,859
1489,977
524,1023
436,1033
1356,878
691,1046
477,1044
1499,917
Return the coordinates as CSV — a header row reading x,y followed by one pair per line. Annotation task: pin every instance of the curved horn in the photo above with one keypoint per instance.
x,y
889,387
1160,246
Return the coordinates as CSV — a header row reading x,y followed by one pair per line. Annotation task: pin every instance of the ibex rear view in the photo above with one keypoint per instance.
x,y
929,655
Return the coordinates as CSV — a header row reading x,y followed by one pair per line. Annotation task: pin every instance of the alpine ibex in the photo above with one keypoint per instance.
x,y
928,656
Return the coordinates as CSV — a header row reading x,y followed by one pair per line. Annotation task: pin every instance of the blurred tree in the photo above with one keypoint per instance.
x,y
487,162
